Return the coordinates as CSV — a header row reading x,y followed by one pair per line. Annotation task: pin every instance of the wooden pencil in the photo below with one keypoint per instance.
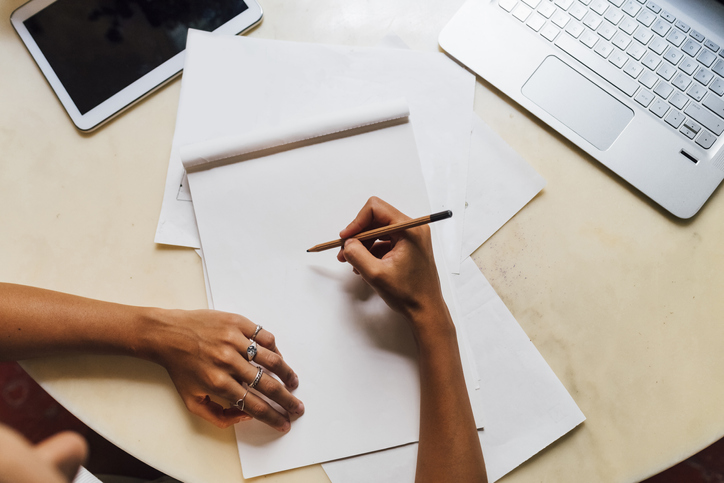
x,y
385,230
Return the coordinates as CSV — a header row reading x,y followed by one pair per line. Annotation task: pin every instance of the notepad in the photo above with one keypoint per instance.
x,y
260,201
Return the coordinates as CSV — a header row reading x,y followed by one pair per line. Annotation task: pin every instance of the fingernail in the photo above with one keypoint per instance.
x,y
294,382
285,427
300,408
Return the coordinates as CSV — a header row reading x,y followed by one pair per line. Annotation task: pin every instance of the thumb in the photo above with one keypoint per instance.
x,y
359,257
65,451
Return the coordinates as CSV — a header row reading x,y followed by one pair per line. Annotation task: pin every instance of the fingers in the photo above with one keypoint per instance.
x,y
274,362
66,451
214,413
272,389
364,262
374,213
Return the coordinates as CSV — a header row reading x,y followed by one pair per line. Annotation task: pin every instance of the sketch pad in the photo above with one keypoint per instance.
x,y
356,359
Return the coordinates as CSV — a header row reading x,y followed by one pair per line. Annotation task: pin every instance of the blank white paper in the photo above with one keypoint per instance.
x,y
356,359
237,84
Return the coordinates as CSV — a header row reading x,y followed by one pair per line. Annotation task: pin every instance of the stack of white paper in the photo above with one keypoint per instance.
x,y
236,85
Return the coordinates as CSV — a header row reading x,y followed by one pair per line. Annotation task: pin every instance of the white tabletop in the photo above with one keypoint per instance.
x,y
623,301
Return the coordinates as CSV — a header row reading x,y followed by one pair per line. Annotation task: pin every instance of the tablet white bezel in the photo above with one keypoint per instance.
x,y
135,91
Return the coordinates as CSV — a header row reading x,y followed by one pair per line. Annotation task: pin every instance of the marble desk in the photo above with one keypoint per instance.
x,y
625,302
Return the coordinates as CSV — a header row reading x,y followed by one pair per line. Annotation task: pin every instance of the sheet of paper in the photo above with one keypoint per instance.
x,y
526,406
500,183
237,84
256,218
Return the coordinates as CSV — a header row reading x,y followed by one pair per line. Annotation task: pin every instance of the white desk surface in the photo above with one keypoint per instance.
x,y
623,301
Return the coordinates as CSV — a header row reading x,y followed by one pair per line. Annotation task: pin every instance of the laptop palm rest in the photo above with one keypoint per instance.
x,y
581,105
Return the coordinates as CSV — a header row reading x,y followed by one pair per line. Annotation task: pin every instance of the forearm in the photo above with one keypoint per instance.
x,y
36,322
449,448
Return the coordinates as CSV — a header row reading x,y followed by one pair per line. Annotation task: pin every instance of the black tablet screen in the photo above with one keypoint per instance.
x,y
98,47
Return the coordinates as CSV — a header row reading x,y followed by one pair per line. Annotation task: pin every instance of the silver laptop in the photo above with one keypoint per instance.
x,y
639,85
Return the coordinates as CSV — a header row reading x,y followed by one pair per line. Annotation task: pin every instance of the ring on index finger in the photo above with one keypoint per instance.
x,y
251,351
256,332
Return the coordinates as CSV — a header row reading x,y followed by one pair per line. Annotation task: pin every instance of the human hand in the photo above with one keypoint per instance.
x,y
205,353
401,268
55,460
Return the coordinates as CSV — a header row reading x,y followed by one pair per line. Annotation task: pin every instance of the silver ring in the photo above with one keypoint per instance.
x,y
251,351
241,400
259,372
256,332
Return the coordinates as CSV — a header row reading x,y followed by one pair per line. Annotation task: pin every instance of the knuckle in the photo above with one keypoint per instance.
x,y
272,388
275,362
217,381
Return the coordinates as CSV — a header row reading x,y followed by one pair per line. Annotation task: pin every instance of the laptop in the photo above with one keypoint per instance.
x,y
638,85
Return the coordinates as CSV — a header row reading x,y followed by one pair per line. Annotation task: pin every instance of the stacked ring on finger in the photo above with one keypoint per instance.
x,y
251,351
256,332
259,372
241,400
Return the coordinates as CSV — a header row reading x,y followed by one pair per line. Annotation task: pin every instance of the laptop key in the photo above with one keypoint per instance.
x,y
704,117
696,92
549,32
588,39
564,4
621,40
697,36
578,11
633,69
678,100
644,97
663,89
707,57
599,6
546,9
531,3
636,50
682,82
658,45
676,37
717,86
675,118
689,129
688,66
507,5
643,36
648,79
711,45
597,64
661,27
705,139
673,56
704,76
632,8
592,21
666,71
719,67
659,108
653,7
714,104
536,22
603,49
522,12
560,19
614,16
682,26
575,29
618,3
628,25
607,31
618,58
651,60
669,17
691,47
646,17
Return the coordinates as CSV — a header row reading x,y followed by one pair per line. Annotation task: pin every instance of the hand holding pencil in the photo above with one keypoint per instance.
x,y
401,266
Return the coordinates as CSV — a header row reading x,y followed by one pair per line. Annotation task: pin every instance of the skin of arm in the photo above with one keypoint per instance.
x,y
204,351
402,271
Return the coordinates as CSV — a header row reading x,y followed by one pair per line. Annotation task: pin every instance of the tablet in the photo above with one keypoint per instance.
x,y
101,56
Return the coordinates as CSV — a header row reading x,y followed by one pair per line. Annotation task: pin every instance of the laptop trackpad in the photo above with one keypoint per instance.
x,y
585,108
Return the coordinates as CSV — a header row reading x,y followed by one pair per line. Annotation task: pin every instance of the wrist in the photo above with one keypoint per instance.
x,y
147,332
433,325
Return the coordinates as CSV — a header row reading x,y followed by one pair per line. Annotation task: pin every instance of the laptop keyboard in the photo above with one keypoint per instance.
x,y
647,53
